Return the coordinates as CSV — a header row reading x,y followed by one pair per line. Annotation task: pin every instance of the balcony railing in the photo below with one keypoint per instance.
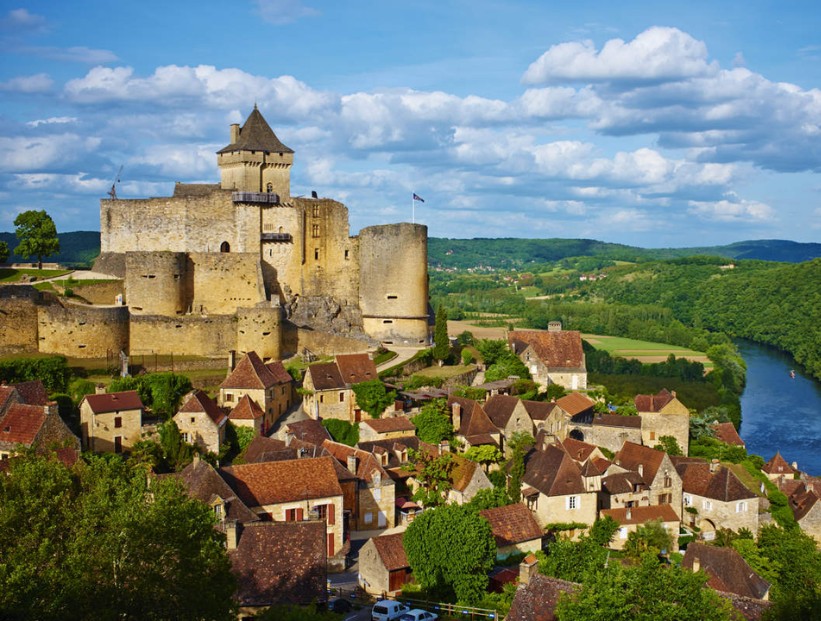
x,y
276,237
267,198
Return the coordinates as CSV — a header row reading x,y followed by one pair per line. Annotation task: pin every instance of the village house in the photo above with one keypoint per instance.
x,y
268,385
263,448
308,432
662,415
514,529
778,467
726,570
293,491
510,416
466,478
657,472
374,504
386,428
394,455
328,389
201,421
630,518
806,508
571,415
471,424
111,422
726,432
554,356
713,497
37,424
611,431
383,565
554,489
248,413
622,488
538,595
203,482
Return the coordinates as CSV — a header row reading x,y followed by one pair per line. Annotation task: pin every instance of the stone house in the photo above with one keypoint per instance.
x,y
111,422
623,489
38,426
726,570
467,478
571,416
269,385
327,387
471,424
277,563
657,472
630,518
386,428
510,416
806,508
202,422
248,413
713,497
539,595
611,431
394,455
726,432
552,357
204,483
663,414
294,490
553,488
383,565
514,529
374,505
778,467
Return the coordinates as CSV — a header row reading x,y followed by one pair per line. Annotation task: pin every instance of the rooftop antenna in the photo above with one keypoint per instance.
x,y
113,191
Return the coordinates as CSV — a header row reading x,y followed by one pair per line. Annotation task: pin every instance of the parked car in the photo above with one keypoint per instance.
x,y
388,610
339,604
417,614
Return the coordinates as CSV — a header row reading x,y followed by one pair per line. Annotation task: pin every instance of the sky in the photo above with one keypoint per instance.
x,y
646,123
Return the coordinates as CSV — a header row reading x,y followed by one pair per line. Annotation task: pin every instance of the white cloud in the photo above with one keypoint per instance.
x,y
22,154
79,54
18,20
37,83
734,210
57,183
657,54
53,120
284,11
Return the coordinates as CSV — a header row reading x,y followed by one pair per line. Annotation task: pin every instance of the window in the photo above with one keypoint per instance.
x,y
741,507
572,502
322,398
668,481
347,254
314,231
316,254
708,506
193,420
688,500
229,396
665,499
652,435
341,397
316,211
218,512
294,515
185,437
330,544
368,517
326,512
377,494
623,532
118,444
118,422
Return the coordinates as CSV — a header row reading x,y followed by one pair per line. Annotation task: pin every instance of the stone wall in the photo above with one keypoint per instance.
x,y
102,292
375,500
654,425
223,282
260,329
190,334
200,429
157,283
82,331
18,319
553,509
724,514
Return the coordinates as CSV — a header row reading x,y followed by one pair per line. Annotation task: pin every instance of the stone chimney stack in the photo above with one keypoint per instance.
x,y
352,464
629,513
232,360
444,447
713,465
231,534
456,409
234,133
99,389
696,564
528,568
641,470
51,409
289,437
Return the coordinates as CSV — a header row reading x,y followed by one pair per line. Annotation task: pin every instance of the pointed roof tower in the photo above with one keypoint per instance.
x,y
256,160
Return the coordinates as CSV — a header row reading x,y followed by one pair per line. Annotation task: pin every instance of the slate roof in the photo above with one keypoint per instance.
x,y
722,484
632,455
33,392
642,515
727,433
575,403
653,403
499,409
553,472
263,448
252,373
558,350
538,599
391,551
275,482
280,563
539,410
21,424
512,524
325,376
256,135
778,465
246,409
356,368
474,421
726,569
309,430
390,425
204,483
198,402
114,402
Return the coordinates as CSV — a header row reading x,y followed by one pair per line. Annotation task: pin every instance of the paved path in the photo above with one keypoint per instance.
x,y
402,354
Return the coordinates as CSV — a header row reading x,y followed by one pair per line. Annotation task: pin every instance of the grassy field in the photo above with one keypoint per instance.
x,y
10,275
445,371
645,351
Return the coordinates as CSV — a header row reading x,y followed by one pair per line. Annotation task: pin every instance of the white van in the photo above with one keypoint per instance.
x,y
388,610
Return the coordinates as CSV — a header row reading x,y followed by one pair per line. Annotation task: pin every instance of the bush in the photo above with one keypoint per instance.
x,y
342,431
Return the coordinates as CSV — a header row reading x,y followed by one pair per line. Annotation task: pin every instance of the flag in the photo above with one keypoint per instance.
x,y
416,197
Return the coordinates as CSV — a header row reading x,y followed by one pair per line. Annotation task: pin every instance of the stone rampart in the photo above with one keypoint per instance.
x,y
259,329
82,331
103,292
194,335
18,319
223,282
156,283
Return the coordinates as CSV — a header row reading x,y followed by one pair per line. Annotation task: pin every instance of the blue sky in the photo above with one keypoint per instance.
x,y
644,124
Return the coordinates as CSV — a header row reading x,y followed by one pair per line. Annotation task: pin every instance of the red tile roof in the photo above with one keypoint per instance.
x,y
726,569
632,455
616,420
391,551
802,501
21,424
310,430
577,449
366,463
356,368
512,524
251,372
653,403
198,402
722,484
203,483
263,448
727,433
325,376
275,482
553,472
391,424
246,409
114,402
641,515
538,600
778,465
475,421
575,403
499,409
280,373
558,350
539,410
33,392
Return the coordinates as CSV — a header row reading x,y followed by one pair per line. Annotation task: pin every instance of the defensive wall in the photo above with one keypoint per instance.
x,y
80,330
18,318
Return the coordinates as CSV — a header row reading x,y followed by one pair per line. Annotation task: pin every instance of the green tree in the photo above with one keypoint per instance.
x,y
519,444
177,453
669,445
650,537
489,498
342,431
491,350
507,365
37,235
797,591
373,397
484,454
4,252
433,473
433,423
467,357
572,560
555,392
451,550
141,545
160,392
441,341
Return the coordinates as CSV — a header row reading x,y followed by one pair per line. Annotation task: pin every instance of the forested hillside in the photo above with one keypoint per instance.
x,y
78,248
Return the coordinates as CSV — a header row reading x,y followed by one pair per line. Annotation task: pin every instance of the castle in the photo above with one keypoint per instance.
x,y
241,265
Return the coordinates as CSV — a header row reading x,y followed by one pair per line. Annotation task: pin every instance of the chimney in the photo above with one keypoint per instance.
x,y
641,470
794,465
289,436
234,133
196,460
673,392
51,409
713,465
629,513
99,389
527,569
456,409
231,534
352,464
696,564
444,447
232,360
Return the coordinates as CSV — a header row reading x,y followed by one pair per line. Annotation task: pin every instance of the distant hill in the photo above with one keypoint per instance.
x,y
77,249
513,252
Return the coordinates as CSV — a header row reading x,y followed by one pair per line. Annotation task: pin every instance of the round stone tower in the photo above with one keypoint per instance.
x,y
155,282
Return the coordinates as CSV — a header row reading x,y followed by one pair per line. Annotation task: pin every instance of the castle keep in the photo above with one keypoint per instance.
x,y
244,265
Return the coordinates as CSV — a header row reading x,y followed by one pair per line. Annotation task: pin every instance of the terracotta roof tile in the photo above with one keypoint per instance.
x,y
392,446
722,484
558,350
641,515
726,569
575,403
21,424
778,465
499,409
325,376
802,501
251,372
246,409
727,433
539,410
553,472
198,402
390,424
474,421
622,483
616,420
204,483
33,392
577,449
275,482
653,403
279,372
538,600
356,368
512,524
632,455
280,563
114,402
366,463
263,448
391,551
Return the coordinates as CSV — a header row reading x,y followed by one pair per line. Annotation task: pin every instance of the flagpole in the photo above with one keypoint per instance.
x,y
413,210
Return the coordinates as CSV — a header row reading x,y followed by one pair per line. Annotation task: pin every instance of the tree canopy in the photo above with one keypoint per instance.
x,y
451,550
433,423
37,235
4,251
373,397
161,392
104,541
441,342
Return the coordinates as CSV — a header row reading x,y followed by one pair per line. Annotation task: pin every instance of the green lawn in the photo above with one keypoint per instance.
x,y
10,275
631,348
445,371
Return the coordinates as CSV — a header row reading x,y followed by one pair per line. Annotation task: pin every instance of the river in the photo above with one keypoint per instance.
x,y
780,413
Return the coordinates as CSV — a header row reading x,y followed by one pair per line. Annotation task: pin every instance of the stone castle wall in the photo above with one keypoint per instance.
x,y
156,283
223,282
194,335
82,331
103,292
260,329
18,319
